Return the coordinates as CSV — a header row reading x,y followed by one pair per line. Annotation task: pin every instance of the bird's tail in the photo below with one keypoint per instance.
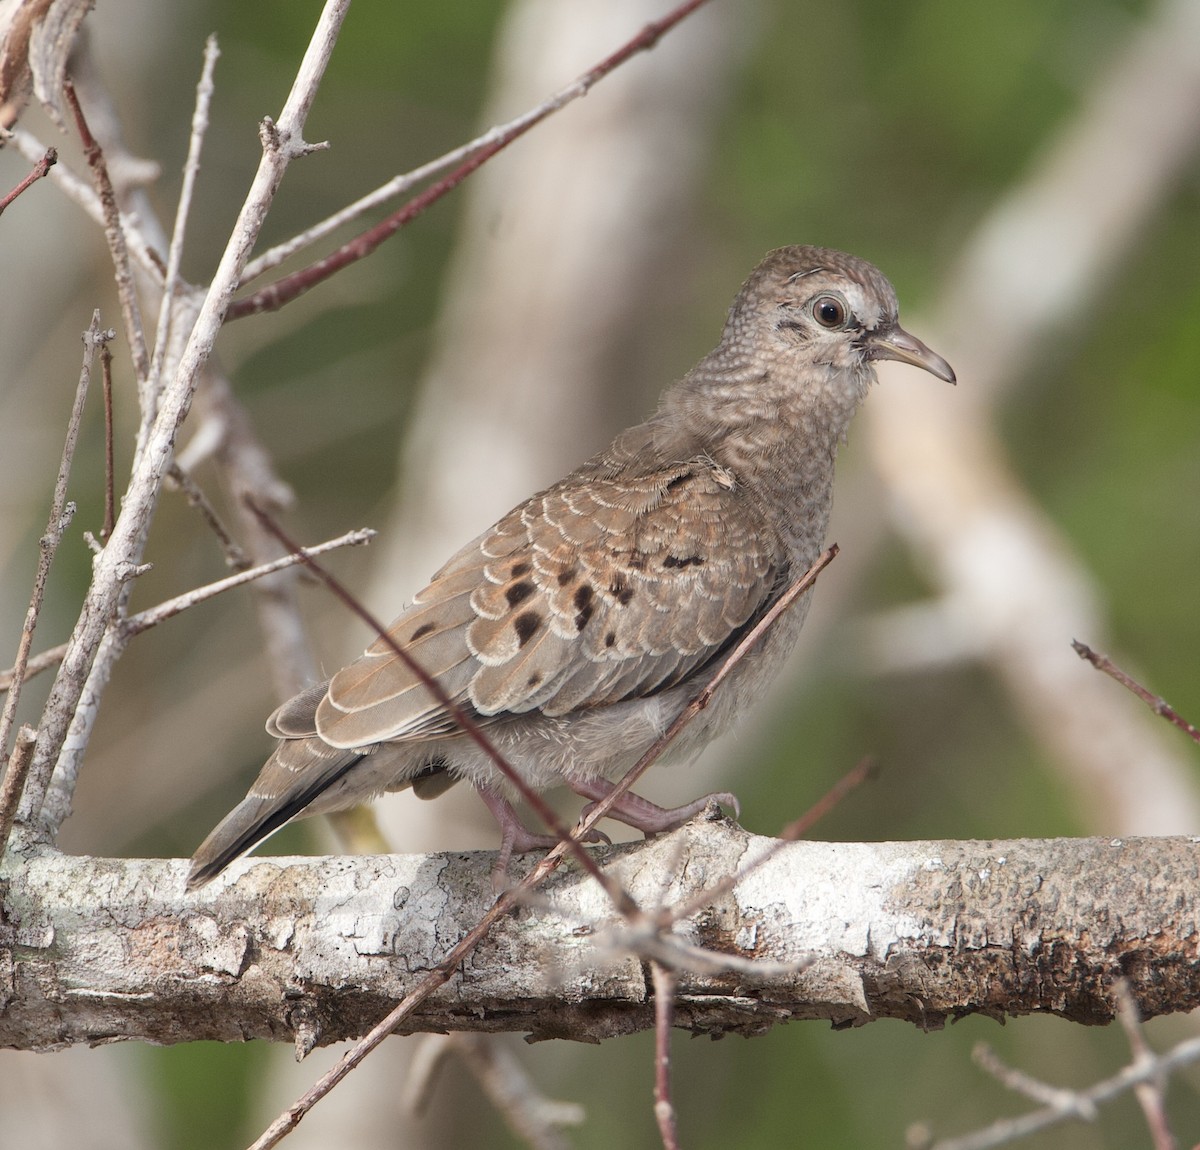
x,y
265,809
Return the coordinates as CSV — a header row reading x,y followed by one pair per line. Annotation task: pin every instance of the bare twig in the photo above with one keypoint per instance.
x,y
664,1011
290,287
110,507
152,616
78,191
84,671
445,970
191,168
1157,704
40,170
532,1117
61,513
14,781
114,232
235,557
1151,1094
1064,1105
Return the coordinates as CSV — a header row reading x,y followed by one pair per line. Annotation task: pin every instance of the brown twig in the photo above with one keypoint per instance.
x,y
290,287
444,971
1157,704
235,557
40,170
114,232
110,513
61,513
664,1015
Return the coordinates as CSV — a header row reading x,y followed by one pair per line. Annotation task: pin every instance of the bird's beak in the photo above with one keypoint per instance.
x,y
896,343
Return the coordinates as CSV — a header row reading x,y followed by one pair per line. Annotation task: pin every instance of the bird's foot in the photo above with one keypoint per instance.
x,y
642,814
516,838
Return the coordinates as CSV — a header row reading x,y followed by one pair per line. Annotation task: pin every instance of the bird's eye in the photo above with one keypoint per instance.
x,y
829,311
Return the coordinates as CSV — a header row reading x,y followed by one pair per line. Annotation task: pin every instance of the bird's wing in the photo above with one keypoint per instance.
x,y
605,587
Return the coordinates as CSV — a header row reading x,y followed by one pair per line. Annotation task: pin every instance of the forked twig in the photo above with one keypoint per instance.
x,y
444,971
1157,704
290,287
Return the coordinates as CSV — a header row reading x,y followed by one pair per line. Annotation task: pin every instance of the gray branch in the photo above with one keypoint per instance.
x,y
317,950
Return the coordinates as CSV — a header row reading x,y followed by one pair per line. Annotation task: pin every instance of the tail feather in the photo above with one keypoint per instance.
x,y
256,818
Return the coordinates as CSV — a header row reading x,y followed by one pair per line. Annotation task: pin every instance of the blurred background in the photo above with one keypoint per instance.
x,y
1026,174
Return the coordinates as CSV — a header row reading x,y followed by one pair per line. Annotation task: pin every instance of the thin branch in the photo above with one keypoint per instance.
x,y
78,191
531,1116
191,169
290,287
14,781
1065,1105
664,1012
515,895
40,170
61,513
1151,1094
235,557
114,232
152,616
110,505
84,672
1157,704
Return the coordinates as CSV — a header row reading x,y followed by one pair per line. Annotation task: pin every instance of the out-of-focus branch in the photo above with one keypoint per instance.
x,y
1012,590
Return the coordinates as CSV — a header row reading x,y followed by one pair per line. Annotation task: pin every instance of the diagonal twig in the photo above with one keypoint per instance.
x,y
1157,704
290,287
114,232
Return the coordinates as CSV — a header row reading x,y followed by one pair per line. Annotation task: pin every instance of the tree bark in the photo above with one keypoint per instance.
x,y
317,950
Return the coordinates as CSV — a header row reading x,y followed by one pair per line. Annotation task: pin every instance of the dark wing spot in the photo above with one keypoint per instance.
x,y
621,590
565,576
585,613
686,561
610,638
518,592
677,480
526,625
421,632
519,569
534,679
583,595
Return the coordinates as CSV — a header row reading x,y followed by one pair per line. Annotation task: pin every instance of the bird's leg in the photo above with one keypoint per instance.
x,y
642,814
516,838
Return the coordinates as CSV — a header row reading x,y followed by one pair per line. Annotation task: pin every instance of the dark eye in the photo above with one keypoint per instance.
x,y
829,311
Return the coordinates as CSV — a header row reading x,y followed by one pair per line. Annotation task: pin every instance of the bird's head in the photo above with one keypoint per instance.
x,y
820,308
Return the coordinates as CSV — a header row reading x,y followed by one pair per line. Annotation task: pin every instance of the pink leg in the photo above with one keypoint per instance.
x,y
516,838
642,814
